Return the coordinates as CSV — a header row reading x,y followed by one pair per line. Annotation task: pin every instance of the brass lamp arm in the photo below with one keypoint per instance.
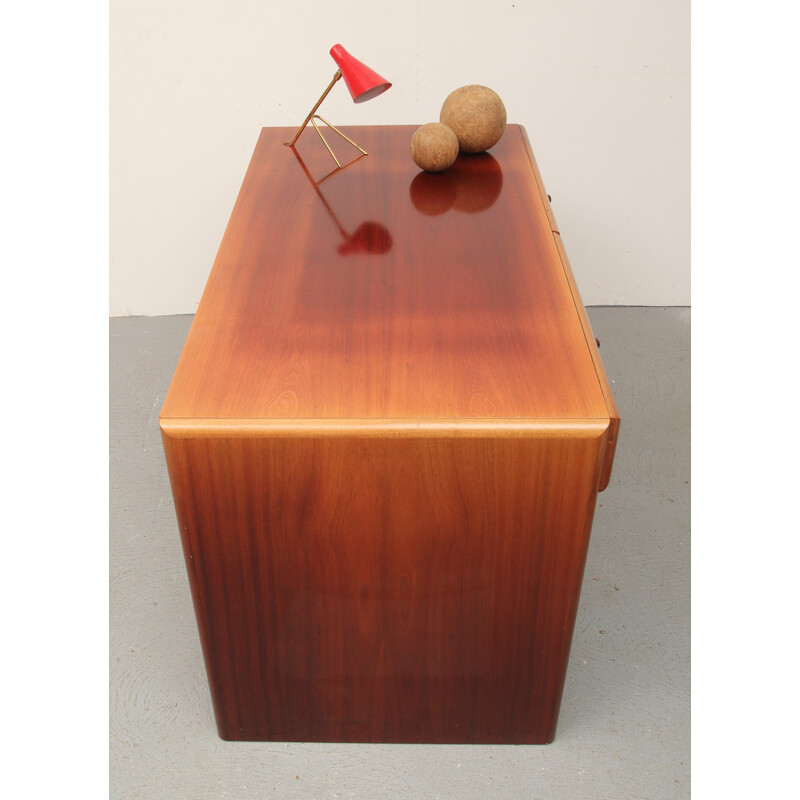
x,y
313,110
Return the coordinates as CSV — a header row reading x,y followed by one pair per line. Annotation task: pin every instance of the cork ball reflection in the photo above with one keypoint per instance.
x,y
470,186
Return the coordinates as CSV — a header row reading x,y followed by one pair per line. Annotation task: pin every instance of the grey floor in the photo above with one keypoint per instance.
x,y
624,725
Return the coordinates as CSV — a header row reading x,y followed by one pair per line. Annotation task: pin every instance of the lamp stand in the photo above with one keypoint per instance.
x,y
313,117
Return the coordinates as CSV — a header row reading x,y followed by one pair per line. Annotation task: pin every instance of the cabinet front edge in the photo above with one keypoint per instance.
x,y
386,428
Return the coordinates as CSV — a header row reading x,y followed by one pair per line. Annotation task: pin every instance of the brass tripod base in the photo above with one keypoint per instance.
x,y
335,130
313,119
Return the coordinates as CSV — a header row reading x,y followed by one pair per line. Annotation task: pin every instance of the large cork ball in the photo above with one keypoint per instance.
x,y
476,115
434,147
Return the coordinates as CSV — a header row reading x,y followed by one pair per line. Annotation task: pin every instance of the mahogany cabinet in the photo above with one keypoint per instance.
x,y
385,438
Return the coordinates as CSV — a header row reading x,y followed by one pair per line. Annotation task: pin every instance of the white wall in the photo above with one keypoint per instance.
x,y
601,87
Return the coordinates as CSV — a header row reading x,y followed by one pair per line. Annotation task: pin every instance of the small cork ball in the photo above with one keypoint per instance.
x,y
434,147
476,115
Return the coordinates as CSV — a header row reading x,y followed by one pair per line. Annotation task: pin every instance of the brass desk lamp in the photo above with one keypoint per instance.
x,y
363,83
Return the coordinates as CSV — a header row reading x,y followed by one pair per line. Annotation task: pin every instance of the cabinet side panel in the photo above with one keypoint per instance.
x,y
395,590
605,387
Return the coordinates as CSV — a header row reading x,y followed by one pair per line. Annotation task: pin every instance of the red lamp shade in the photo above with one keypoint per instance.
x,y
363,83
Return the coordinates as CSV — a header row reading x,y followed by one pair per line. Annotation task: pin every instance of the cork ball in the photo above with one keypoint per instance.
x,y
476,115
434,147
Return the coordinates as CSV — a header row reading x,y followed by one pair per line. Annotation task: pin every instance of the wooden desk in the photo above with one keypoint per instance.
x,y
385,437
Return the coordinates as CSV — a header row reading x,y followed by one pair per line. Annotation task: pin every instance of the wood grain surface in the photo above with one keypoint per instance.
x,y
405,590
383,292
385,438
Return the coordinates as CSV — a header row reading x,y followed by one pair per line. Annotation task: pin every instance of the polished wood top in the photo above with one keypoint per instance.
x,y
379,292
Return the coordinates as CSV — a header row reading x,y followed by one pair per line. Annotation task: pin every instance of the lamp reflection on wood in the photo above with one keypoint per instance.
x,y
368,237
